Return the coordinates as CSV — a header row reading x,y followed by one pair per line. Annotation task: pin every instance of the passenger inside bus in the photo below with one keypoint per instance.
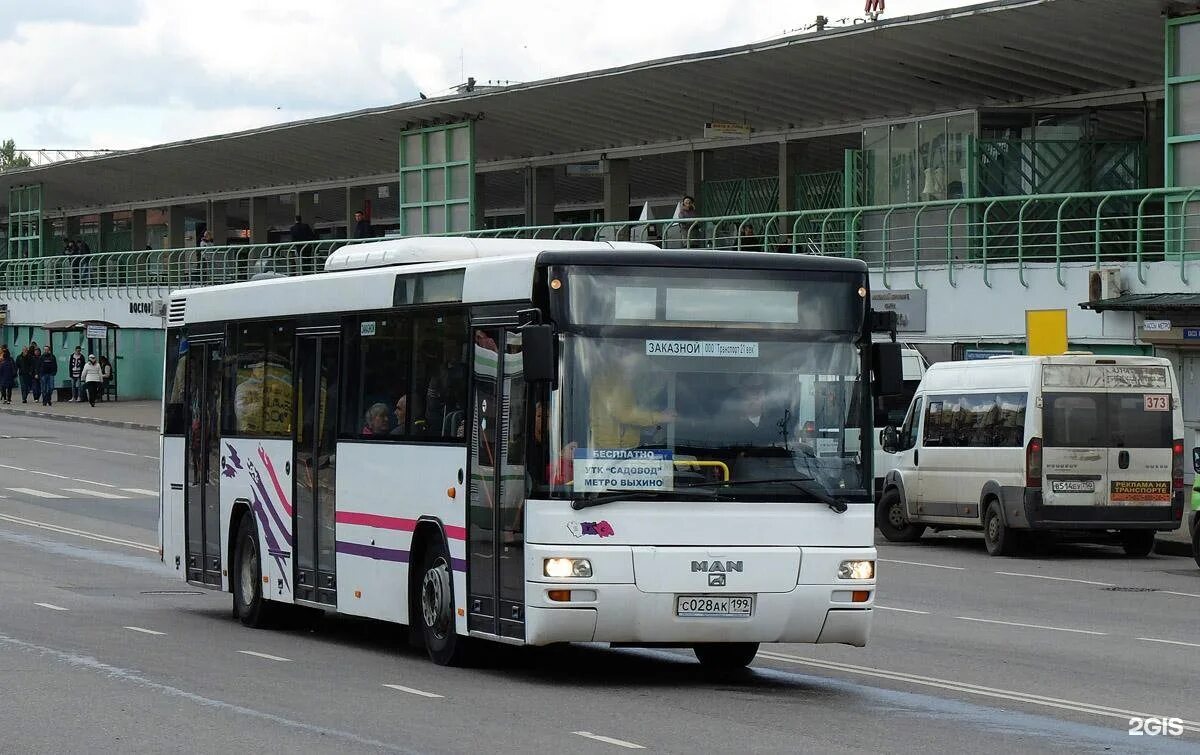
x,y
376,420
617,418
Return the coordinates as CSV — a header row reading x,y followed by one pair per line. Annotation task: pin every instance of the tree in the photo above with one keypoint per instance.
x,y
10,158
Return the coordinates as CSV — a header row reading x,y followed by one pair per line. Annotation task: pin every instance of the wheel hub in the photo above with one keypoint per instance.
x,y
435,599
896,516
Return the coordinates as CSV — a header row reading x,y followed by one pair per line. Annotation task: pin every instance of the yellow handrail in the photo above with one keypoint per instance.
x,y
701,463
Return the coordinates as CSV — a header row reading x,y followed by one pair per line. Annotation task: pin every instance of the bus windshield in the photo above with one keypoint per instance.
x,y
691,413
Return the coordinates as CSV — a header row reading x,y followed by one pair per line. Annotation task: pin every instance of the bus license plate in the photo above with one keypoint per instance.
x,y
722,606
1073,486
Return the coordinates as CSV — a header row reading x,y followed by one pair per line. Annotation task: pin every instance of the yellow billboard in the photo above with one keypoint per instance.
x,y
1045,331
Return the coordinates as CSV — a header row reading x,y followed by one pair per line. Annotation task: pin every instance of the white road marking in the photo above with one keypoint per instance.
x,y
1056,579
901,610
123,453
9,466
1029,626
93,482
79,533
609,740
265,655
36,493
918,563
50,474
85,448
141,491
97,493
972,689
410,690
146,631
52,607
1184,594
1170,642
100,450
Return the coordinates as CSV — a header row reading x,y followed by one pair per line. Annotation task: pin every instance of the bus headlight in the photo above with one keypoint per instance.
x,y
562,568
857,570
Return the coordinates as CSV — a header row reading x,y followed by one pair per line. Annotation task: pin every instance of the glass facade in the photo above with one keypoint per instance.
x,y
437,190
922,160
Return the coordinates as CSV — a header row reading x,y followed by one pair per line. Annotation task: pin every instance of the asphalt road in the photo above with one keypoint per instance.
x,y
101,649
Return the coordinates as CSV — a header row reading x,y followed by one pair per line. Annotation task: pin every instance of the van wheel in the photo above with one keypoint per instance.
x,y
999,538
1137,543
892,519
1196,540
249,605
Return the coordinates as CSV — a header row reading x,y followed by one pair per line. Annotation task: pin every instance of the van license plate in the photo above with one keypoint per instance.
x,y
1073,486
720,606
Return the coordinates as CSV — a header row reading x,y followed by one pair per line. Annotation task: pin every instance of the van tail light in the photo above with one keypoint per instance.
x,y
810,429
1177,464
1033,463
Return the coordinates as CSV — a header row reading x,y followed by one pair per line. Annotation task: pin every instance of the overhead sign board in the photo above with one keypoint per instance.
x,y
1156,325
726,130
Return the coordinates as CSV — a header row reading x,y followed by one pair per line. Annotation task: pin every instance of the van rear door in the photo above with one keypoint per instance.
x,y
1139,460
1074,449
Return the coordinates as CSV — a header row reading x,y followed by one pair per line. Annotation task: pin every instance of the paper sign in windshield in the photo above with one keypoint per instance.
x,y
601,469
702,348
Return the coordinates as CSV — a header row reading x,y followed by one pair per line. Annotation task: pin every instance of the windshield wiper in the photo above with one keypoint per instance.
x,y
630,495
796,482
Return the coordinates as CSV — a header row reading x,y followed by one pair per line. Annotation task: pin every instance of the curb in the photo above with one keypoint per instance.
x,y
1172,548
76,418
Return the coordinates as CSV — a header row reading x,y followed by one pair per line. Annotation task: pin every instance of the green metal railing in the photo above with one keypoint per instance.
x,y
1142,227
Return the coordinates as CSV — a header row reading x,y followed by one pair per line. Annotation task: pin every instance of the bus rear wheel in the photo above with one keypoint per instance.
x,y
249,605
725,656
436,601
1137,543
892,519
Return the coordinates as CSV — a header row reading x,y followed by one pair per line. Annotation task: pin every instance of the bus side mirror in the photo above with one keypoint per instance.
x,y
889,439
537,353
888,368
1196,459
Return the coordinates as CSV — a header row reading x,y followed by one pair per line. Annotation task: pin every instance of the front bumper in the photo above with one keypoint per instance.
x,y
621,612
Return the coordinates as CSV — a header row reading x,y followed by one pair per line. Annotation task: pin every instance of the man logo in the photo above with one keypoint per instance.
x,y
716,566
716,580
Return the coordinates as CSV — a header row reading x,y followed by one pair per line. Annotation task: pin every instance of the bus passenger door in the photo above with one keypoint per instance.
x,y
202,499
317,386
496,516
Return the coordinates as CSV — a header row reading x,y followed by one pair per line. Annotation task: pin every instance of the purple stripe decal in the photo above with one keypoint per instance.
x,y
388,554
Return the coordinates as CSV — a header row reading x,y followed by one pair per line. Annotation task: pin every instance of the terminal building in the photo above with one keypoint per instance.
x,y
985,161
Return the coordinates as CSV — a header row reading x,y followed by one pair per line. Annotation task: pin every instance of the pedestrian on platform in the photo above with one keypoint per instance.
x,y
362,226
93,378
49,370
25,373
106,374
8,375
75,367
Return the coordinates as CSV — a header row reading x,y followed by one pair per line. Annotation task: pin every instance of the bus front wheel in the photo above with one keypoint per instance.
x,y
725,656
251,608
442,642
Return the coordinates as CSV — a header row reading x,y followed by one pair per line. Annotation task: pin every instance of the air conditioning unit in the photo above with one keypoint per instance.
x,y
1104,284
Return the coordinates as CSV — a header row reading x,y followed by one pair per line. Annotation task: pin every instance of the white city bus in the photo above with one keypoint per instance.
x,y
529,442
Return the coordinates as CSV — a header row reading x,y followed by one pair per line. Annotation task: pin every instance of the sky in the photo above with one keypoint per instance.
x,y
118,74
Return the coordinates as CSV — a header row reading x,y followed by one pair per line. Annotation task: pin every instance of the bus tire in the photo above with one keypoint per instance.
x,y
725,656
998,537
436,603
249,605
1196,540
1137,543
892,519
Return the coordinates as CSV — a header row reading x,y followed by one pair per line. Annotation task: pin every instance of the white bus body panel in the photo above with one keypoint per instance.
x,y
789,555
173,529
383,489
257,472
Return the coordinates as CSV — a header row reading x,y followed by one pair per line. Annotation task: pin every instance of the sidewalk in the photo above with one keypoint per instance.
x,y
133,415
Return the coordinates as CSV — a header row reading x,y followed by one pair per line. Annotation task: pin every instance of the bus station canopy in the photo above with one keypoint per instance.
x,y
999,54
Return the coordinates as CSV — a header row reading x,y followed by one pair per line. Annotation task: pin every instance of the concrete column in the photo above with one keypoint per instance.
x,y
104,244
175,222
137,225
616,192
790,156
539,195
694,167
356,198
1155,140
216,222
306,206
479,221
258,220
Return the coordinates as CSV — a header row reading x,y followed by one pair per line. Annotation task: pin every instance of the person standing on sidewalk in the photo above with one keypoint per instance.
x,y
25,373
8,375
35,358
106,372
92,377
75,366
49,365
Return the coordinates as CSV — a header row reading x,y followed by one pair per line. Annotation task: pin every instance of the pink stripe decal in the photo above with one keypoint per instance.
x,y
376,520
393,523
283,499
